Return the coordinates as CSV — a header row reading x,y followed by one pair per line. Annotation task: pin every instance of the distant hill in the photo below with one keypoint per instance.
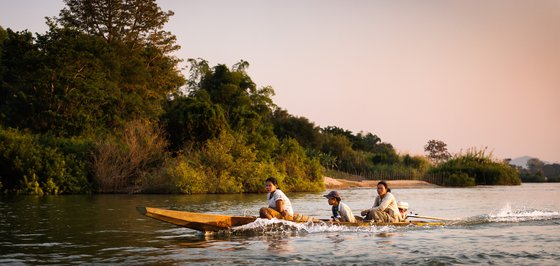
x,y
521,161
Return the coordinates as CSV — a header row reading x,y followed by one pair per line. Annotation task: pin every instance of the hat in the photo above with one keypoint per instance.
x,y
332,194
402,205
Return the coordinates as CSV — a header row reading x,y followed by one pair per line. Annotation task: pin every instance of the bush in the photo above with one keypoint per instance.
x,y
301,172
177,177
121,163
233,166
33,164
460,180
227,164
479,166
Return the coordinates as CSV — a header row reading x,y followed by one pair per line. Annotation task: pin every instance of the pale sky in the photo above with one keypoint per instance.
x,y
469,73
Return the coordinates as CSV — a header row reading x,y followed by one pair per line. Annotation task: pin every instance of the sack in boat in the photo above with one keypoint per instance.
x,y
300,218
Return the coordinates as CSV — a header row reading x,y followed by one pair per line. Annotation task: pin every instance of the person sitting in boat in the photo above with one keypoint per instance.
x,y
341,212
384,209
403,208
279,206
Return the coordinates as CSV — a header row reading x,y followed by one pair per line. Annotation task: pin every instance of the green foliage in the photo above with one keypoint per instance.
x,y
366,142
552,172
529,177
437,151
361,141
75,94
460,180
128,21
341,148
539,171
69,84
384,153
92,72
299,128
416,162
480,166
229,100
191,120
301,172
357,153
181,177
42,164
123,162
226,164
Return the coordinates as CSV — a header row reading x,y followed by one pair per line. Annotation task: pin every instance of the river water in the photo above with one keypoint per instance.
x,y
493,225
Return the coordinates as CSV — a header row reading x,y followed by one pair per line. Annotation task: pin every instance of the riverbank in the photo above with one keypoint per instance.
x,y
332,183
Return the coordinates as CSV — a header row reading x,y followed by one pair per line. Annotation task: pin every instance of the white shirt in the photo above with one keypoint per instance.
x,y
346,213
279,195
387,204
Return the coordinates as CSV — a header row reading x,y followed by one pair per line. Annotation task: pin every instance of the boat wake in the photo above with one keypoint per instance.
x,y
276,226
503,215
508,215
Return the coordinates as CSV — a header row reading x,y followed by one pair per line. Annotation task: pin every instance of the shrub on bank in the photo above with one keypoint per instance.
x,y
228,164
301,172
477,165
42,164
460,180
121,163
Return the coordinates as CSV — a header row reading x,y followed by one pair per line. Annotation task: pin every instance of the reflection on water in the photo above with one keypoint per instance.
x,y
520,226
278,244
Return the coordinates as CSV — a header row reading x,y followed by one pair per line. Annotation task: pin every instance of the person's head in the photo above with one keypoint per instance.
x,y
271,184
403,206
382,188
333,197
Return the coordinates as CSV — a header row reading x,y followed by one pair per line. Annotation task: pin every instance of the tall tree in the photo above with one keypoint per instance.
x,y
138,24
366,142
128,21
221,95
437,151
101,64
299,128
57,82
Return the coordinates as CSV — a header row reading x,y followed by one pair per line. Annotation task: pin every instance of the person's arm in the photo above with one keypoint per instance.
x,y
280,207
375,204
385,202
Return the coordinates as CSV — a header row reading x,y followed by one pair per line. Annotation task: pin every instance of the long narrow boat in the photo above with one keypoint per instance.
x,y
207,222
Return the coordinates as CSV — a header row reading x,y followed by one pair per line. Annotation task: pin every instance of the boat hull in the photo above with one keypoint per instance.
x,y
206,222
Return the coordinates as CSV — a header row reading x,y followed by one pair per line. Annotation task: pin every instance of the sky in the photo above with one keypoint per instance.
x,y
473,74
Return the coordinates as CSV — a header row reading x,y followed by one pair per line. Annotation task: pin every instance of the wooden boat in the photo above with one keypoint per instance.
x,y
207,222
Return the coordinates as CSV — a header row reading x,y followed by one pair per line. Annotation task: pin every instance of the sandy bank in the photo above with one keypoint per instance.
x,y
332,183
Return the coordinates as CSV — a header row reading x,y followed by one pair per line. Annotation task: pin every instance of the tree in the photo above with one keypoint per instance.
x,y
535,166
191,120
245,107
437,151
384,153
147,72
552,172
299,128
58,82
365,142
100,65
128,21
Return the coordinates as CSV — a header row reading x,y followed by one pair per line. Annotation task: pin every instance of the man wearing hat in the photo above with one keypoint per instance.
x,y
341,212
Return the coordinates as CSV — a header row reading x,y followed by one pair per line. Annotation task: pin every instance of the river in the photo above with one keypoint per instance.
x,y
493,225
